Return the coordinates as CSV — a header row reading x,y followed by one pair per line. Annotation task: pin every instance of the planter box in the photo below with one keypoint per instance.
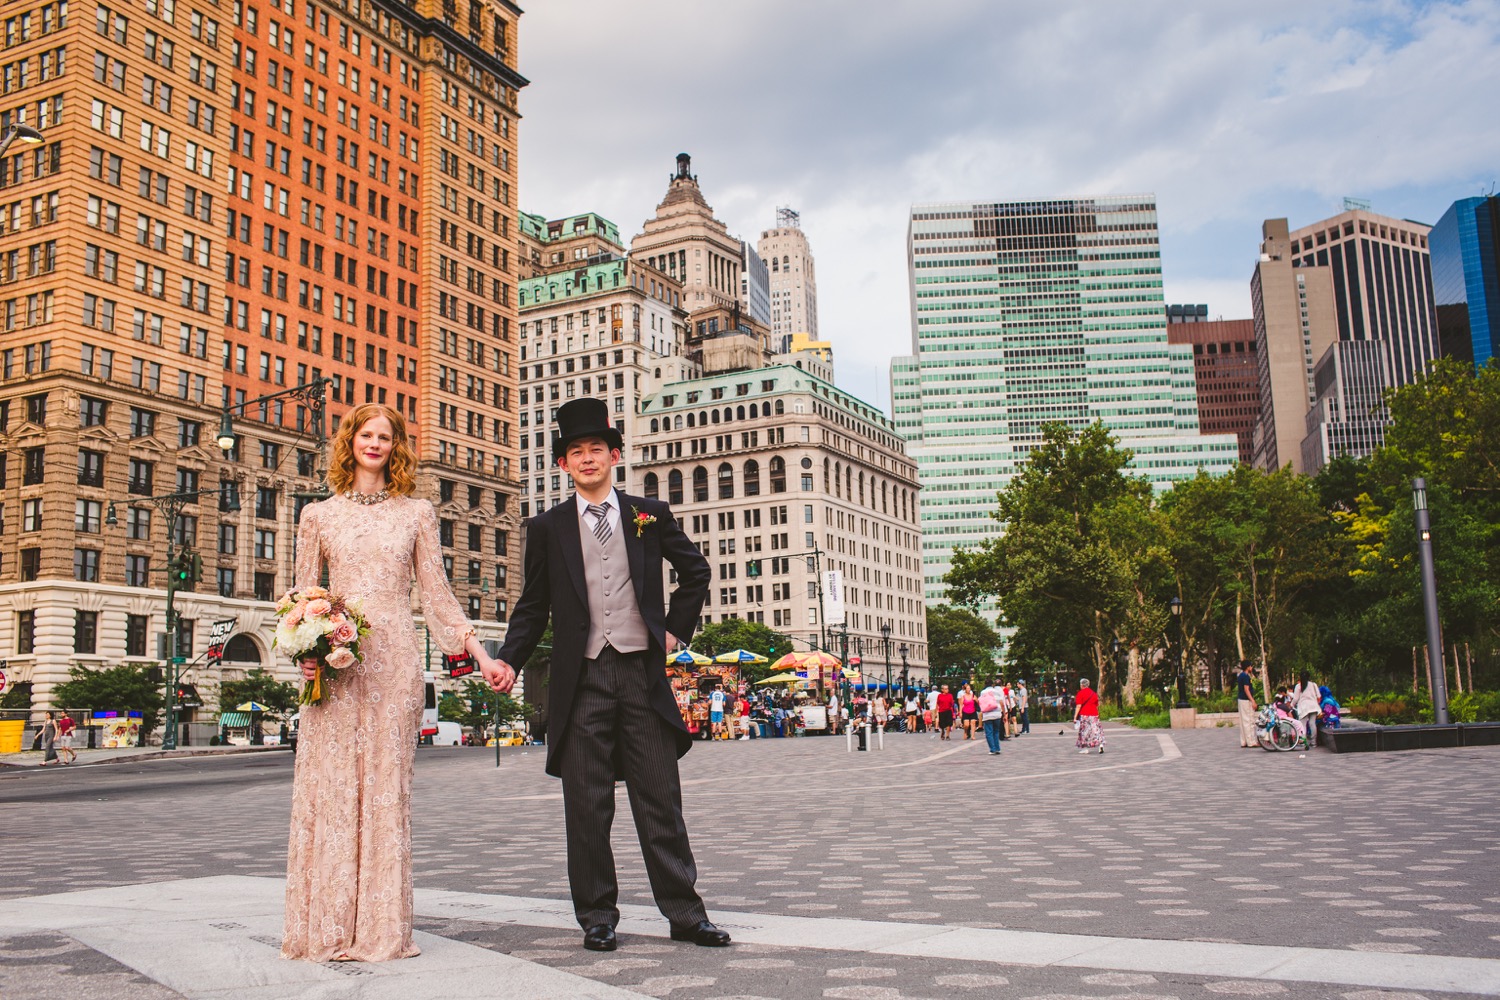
x,y
1417,737
1479,734
1362,740
1184,718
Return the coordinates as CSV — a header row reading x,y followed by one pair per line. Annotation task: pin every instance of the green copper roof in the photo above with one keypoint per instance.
x,y
545,230
581,281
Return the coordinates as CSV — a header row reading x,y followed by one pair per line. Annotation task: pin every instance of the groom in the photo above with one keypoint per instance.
x,y
594,565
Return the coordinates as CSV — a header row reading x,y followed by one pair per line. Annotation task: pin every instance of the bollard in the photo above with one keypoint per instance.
x,y
882,737
848,738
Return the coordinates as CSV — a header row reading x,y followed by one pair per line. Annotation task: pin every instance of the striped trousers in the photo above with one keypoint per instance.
x,y
612,719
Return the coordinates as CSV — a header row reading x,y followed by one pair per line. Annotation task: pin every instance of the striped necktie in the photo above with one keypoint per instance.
x,y
601,521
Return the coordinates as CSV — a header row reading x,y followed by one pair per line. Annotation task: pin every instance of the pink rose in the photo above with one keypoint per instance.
x,y
341,658
315,592
294,616
344,632
318,607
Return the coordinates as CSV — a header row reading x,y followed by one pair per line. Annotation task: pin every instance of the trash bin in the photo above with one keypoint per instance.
x,y
863,735
12,731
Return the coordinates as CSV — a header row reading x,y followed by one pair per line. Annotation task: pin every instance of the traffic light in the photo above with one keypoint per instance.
x,y
180,570
195,569
752,568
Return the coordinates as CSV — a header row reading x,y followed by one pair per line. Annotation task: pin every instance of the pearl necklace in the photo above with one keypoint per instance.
x,y
367,498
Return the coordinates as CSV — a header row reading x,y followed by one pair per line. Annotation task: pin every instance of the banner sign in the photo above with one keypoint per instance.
x,y
833,597
218,635
461,665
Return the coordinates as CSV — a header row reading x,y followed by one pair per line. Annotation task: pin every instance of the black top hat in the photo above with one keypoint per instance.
x,y
583,418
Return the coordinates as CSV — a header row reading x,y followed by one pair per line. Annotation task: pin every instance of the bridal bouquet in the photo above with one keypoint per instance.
x,y
323,625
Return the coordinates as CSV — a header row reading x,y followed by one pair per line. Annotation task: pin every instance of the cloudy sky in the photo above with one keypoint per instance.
x,y
852,111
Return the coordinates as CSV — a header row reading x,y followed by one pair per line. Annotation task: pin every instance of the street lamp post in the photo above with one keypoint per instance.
x,y
885,638
183,566
25,133
312,393
1182,695
1437,674
905,678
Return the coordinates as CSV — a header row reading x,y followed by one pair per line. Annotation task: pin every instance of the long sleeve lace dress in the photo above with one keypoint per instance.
x,y
349,876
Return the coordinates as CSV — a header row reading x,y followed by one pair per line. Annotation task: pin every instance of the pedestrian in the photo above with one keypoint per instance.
x,y
834,709
1086,718
349,876
1023,703
65,727
1307,707
1244,686
49,740
716,712
882,712
944,703
968,711
930,716
992,706
594,568
913,711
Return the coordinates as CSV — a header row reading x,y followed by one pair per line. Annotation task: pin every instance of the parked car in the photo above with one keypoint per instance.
x,y
449,734
508,738
292,725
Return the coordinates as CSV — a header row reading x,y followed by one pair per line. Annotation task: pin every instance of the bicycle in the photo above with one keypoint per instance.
x,y
1274,733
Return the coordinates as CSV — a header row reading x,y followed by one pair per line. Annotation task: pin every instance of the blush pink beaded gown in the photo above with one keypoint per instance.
x,y
349,877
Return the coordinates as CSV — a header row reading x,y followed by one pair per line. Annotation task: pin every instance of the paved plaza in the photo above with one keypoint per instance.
x,y
1173,865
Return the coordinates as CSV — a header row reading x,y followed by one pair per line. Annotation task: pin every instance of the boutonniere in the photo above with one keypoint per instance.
x,y
641,520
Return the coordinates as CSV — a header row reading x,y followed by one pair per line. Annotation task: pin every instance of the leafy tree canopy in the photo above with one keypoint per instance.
x,y
128,687
280,697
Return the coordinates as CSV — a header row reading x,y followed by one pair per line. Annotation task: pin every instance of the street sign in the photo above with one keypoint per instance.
x,y
3,680
855,660
833,597
179,660
218,635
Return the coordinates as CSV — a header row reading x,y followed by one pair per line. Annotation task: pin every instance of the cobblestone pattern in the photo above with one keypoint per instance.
x,y
1376,852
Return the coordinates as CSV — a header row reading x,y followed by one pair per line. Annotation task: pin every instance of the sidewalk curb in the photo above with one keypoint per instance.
x,y
161,755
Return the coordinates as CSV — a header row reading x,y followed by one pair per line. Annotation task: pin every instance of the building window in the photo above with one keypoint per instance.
x,y
226,582
85,631
265,586
138,523
31,564
137,571
445,531
25,632
86,565
35,468
142,423
31,515
476,537
91,412
265,544
90,468
86,516
700,485
136,627
807,481
228,539
265,503
141,474
502,542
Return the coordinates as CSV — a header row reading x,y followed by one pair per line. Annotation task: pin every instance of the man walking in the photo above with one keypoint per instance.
x,y
1244,685
992,713
1023,702
594,566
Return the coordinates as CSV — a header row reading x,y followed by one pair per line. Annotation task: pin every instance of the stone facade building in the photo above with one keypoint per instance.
x,y
794,280
235,201
778,475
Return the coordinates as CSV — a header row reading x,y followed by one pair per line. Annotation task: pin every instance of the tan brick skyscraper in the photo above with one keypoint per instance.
x,y
231,200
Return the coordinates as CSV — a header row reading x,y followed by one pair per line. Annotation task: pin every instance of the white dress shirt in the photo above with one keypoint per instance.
x,y
613,512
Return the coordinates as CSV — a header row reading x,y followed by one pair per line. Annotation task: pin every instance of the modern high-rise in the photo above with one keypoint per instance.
x,y
755,285
778,475
1026,313
230,201
1382,284
1294,310
794,279
1466,278
1224,370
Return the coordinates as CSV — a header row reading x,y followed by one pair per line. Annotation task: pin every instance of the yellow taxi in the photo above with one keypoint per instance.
x,y
507,738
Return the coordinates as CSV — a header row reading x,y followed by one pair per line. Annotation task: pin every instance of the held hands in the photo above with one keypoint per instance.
x,y
497,674
309,667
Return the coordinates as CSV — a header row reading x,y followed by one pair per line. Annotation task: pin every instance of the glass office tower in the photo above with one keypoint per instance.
x,y
1024,313
1465,248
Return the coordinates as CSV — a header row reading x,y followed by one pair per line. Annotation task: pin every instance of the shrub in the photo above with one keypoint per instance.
x,y
1152,720
1147,702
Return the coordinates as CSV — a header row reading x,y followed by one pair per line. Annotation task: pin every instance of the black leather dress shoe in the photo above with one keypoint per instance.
x,y
600,937
703,934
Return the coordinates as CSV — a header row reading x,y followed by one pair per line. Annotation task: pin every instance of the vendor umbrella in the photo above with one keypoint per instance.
x,y
251,706
688,658
739,656
782,679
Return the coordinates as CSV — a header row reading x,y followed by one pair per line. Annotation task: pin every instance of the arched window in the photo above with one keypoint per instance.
x,y
653,486
739,413
861,489
885,498
678,422
691,421
778,475
674,486
825,477
655,425
780,407
726,481
838,479
700,484
752,478
702,418
753,413
729,414
715,416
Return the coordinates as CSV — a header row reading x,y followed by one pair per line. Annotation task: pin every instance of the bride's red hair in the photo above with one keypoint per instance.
x,y
400,465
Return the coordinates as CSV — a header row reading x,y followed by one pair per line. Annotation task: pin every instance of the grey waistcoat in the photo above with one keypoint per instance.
x,y
614,615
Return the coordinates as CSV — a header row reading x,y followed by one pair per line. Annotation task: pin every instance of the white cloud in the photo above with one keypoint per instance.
x,y
852,111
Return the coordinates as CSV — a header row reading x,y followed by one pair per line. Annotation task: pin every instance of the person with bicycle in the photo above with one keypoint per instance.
x,y
1245,688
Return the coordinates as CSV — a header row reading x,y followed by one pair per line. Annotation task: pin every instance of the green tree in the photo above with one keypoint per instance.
x,y
476,707
128,687
727,636
279,697
959,639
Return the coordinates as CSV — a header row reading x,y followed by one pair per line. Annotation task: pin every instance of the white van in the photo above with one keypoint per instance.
x,y
449,734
